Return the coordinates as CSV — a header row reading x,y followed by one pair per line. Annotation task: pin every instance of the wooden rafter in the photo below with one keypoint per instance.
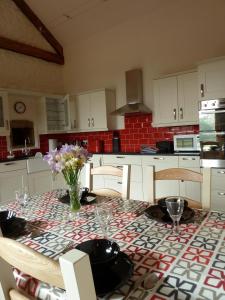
x,y
26,49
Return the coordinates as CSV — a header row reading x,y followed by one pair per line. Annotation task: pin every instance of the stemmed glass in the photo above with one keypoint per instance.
x,y
175,207
22,197
103,215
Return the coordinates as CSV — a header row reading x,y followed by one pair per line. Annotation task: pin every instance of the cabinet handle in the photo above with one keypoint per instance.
x,y
119,182
120,157
9,164
119,167
89,122
92,122
221,172
175,114
188,158
160,158
181,113
221,193
202,92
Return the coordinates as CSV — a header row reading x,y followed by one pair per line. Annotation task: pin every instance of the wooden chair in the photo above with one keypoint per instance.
x,y
183,175
72,272
123,173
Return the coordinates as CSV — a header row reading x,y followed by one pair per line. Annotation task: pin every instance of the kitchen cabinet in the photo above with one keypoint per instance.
x,y
136,191
176,100
93,110
218,189
11,174
190,189
54,114
163,188
4,114
211,80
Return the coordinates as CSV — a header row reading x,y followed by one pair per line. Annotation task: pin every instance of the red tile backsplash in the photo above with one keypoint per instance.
x,y
138,130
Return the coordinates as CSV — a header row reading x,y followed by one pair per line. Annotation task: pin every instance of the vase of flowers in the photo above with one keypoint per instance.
x,y
69,160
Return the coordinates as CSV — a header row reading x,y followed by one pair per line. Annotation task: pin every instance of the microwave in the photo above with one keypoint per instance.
x,y
186,142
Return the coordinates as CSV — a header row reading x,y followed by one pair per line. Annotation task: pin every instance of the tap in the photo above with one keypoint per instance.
x,y
26,150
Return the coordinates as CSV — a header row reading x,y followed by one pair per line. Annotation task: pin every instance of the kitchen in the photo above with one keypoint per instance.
x,y
101,41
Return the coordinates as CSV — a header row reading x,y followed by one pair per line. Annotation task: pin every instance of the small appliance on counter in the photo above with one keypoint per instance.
x,y
116,142
165,147
186,143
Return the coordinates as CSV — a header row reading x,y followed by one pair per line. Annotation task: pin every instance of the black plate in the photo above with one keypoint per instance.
x,y
66,199
156,213
6,215
113,276
100,251
13,227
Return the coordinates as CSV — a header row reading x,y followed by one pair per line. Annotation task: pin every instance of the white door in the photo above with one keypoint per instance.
x,y
40,182
211,77
9,183
165,101
98,110
83,111
188,98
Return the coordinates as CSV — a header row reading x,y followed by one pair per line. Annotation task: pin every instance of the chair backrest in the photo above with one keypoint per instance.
x,y
183,175
123,173
72,272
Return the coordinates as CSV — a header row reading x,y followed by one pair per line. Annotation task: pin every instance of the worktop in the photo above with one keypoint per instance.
x,y
151,154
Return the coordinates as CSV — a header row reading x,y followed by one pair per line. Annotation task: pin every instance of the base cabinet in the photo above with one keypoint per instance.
x,y
218,189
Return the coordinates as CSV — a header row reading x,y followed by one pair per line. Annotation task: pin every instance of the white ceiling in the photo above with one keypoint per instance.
x,y
73,20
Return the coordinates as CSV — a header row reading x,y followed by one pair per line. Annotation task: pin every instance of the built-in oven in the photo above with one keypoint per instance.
x,y
212,133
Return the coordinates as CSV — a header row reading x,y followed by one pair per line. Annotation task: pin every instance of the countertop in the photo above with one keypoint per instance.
x,y
152,154
112,153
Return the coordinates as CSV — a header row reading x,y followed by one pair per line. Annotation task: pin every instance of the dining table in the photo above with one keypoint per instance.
x,y
190,265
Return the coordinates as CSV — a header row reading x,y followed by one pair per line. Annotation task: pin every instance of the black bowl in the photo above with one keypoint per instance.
x,y
6,215
162,203
100,251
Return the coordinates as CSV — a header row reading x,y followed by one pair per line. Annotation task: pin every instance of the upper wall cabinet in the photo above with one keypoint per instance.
x,y
54,114
211,78
93,110
4,114
176,100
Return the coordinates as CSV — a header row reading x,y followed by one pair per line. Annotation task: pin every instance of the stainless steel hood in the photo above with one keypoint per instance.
x,y
134,94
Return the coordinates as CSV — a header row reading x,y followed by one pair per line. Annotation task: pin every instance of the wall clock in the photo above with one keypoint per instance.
x,y
20,107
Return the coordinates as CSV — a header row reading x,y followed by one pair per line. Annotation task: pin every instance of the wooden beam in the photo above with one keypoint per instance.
x,y
27,11
22,48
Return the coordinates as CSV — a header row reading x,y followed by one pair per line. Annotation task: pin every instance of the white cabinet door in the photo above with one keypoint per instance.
x,y
83,111
11,182
165,101
211,79
176,100
218,189
98,110
40,182
4,114
188,98
163,188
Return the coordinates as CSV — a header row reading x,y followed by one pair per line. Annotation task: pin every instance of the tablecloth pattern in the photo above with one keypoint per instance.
x,y
188,266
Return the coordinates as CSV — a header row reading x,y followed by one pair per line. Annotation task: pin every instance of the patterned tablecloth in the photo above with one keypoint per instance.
x,y
188,266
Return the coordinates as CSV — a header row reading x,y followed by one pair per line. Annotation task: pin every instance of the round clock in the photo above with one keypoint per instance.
x,y
20,107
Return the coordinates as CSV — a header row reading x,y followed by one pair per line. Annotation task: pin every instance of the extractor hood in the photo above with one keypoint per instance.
x,y
134,94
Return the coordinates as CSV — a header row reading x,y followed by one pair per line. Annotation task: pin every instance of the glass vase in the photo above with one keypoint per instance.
x,y
74,193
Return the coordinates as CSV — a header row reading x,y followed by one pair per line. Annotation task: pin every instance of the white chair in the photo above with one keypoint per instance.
x,y
184,175
123,173
72,272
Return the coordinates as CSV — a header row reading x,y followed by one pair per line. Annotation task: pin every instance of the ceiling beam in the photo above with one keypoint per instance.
x,y
22,48
27,11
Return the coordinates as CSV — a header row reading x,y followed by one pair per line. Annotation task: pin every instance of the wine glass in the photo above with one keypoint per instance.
x,y
103,215
22,197
175,207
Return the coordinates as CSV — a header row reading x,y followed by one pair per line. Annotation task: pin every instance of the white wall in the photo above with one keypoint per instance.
x,y
170,38
23,72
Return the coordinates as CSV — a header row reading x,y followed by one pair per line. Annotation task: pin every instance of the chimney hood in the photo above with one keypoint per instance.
x,y
134,94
